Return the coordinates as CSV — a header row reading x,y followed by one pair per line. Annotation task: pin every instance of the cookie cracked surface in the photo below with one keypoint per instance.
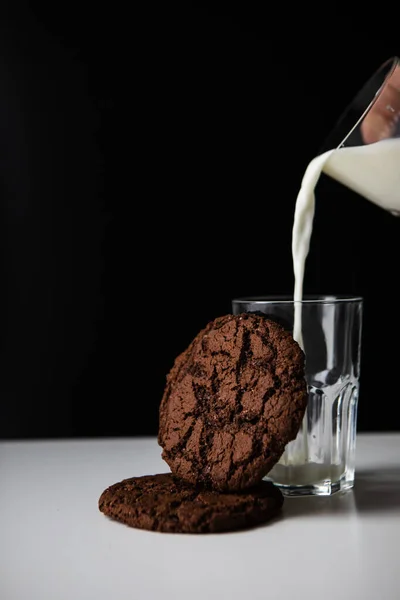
x,y
233,400
163,503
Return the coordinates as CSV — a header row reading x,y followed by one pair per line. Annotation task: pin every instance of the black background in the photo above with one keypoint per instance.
x,y
149,168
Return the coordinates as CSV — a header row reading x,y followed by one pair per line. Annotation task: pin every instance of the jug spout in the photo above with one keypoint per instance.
x,y
374,113
364,147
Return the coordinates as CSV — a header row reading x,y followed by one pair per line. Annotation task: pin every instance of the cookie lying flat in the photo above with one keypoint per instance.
x,y
232,402
163,503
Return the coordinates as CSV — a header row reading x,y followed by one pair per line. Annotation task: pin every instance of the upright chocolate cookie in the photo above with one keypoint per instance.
x,y
163,503
232,402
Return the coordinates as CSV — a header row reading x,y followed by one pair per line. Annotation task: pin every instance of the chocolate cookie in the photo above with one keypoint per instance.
x,y
232,402
163,503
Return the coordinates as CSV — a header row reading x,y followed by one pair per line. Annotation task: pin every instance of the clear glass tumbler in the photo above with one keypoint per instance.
x,y
321,460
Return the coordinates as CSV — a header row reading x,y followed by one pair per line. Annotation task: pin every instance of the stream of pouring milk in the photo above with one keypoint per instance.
x,y
373,171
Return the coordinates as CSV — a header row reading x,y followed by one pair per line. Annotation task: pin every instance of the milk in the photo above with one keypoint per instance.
x,y
373,171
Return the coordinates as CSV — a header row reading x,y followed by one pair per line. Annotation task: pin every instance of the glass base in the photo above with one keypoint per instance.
x,y
323,489
313,487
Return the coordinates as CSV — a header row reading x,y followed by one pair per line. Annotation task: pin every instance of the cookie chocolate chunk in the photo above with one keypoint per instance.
x,y
163,503
232,402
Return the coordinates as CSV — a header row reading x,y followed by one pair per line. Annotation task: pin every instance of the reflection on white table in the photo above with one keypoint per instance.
x,y
56,545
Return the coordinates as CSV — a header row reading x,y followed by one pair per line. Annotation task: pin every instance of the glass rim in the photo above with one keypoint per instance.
x,y
387,69
307,299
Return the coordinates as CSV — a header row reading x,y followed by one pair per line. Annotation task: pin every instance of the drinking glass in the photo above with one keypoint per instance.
x,y
321,460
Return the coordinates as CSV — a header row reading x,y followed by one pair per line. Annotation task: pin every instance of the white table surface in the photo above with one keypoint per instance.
x,y
56,545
